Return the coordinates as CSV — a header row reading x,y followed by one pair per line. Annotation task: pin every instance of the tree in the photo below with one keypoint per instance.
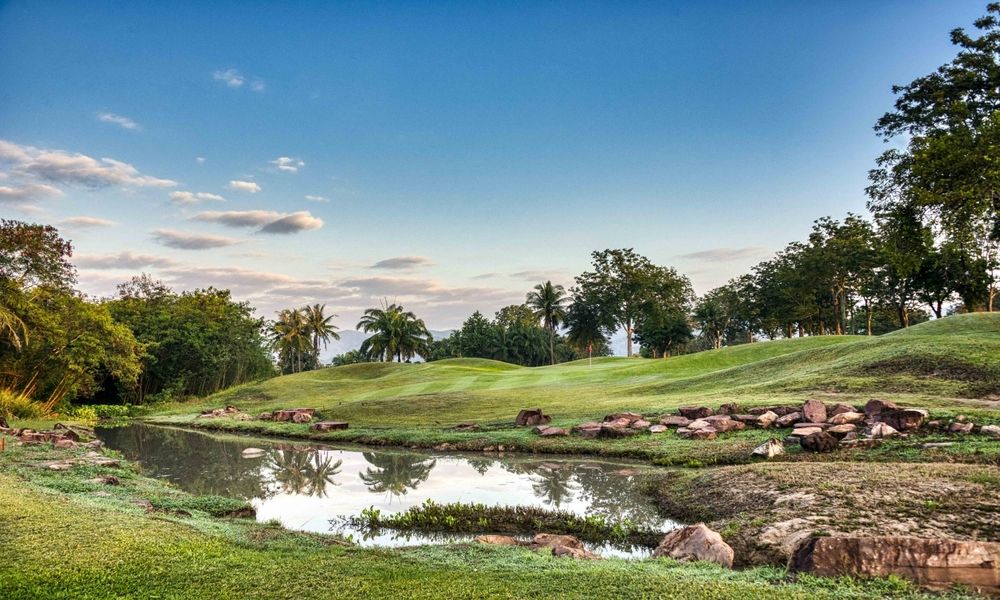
x,y
549,305
34,255
320,327
625,286
587,329
663,331
712,316
397,334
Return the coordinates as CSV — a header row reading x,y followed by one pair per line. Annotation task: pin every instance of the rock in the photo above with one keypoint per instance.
x,y
814,411
641,424
840,408
657,428
628,416
695,542
265,416
243,417
144,504
729,409
675,421
59,466
789,419
720,423
110,463
553,432
846,417
802,432
537,429
329,425
105,480
905,419
575,553
961,427
64,444
94,444
619,423
551,540
698,424
301,417
992,430
767,419
529,417
747,418
289,414
934,563
587,430
615,429
841,431
807,425
783,410
252,453
820,442
695,412
496,540
769,449
705,433
930,445
465,427
232,409
874,408
881,430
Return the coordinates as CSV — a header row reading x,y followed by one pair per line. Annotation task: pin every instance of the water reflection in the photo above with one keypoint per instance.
x,y
305,487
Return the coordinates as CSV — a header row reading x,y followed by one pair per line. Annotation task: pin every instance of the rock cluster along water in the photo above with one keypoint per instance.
x,y
696,543
61,436
559,545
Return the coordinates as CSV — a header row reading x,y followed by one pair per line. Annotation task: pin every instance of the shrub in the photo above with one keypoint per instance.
x,y
19,406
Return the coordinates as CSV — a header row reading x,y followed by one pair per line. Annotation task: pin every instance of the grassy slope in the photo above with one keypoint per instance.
x,y
64,537
933,363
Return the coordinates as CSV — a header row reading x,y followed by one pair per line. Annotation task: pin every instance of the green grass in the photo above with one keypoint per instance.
x,y
63,537
951,366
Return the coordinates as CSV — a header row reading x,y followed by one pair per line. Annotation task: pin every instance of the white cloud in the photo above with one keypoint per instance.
x,y
123,122
191,241
122,260
230,77
268,221
27,191
200,160
244,186
257,85
402,262
194,197
59,166
313,198
727,254
86,222
288,164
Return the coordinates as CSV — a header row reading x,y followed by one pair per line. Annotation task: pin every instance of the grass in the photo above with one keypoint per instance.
x,y
66,537
950,365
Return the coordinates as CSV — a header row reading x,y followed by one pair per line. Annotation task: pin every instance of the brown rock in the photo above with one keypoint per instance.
x,y
640,424
696,542
802,432
628,416
587,430
623,422
615,430
59,466
789,419
881,430
529,417
842,430
721,423
289,414
846,417
301,417
329,425
961,427
575,553
767,419
657,428
698,424
934,563
769,449
551,540
807,425
705,433
64,444
991,430
814,411
729,409
675,421
496,540
695,412
820,442
539,428
469,426
265,416
747,418
874,408
553,432
904,419
840,408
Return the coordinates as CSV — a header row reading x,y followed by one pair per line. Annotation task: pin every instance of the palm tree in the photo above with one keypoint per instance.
x,y
320,327
397,334
290,337
548,302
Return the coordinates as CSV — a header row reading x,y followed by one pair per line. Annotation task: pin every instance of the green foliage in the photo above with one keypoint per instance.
x,y
397,334
351,357
19,406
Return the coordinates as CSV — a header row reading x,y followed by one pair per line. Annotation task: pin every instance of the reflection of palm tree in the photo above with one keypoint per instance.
x,y
300,472
554,486
395,473
481,465
321,473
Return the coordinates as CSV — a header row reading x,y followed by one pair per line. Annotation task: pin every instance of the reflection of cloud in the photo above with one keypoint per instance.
x,y
191,241
402,262
81,222
122,260
244,186
723,254
59,166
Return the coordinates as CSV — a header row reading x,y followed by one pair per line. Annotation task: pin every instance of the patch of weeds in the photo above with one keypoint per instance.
x,y
216,506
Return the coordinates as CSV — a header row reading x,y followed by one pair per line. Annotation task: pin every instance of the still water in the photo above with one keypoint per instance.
x,y
313,487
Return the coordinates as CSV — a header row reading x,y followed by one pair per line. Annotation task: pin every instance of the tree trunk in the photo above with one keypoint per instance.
x,y
552,348
628,339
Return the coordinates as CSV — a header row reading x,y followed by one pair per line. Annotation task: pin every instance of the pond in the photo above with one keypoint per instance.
x,y
313,487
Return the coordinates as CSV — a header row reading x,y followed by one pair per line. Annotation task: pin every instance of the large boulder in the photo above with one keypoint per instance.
x,y
840,408
301,417
696,542
841,431
904,419
820,441
529,417
695,412
933,563
814,411
767,419
721,423
874,408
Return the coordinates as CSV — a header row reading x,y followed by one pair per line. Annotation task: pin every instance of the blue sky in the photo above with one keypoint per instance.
x,y
446,155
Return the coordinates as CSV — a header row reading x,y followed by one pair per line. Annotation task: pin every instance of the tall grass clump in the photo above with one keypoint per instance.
x,y
19,406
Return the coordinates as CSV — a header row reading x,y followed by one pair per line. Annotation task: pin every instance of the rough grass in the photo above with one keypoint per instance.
x,y
60,537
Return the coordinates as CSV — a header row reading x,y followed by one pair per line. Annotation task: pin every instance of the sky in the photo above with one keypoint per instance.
x,y
445,155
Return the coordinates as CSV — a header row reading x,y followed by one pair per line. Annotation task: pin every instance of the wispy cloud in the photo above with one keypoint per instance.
x,y
58,166
313,198
194,197
122,260
234,79
27,191
200,160
191,241
726,254
402,263
288,164
123,122
87,222
268,221
244,186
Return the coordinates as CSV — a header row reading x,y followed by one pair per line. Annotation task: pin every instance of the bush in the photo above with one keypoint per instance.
x,y
19,406
110,412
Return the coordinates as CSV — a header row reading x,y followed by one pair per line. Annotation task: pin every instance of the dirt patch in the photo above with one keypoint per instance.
x,y
765,510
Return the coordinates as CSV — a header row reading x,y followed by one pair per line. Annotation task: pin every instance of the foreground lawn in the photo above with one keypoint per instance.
x,y
62,536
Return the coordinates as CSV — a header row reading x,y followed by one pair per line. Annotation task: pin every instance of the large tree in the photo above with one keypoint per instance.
x,y
549,305
397,334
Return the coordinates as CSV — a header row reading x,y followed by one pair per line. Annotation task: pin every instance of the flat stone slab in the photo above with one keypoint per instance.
x,y
329,425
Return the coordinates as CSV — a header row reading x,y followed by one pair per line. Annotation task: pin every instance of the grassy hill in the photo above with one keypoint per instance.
x,y
952,362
